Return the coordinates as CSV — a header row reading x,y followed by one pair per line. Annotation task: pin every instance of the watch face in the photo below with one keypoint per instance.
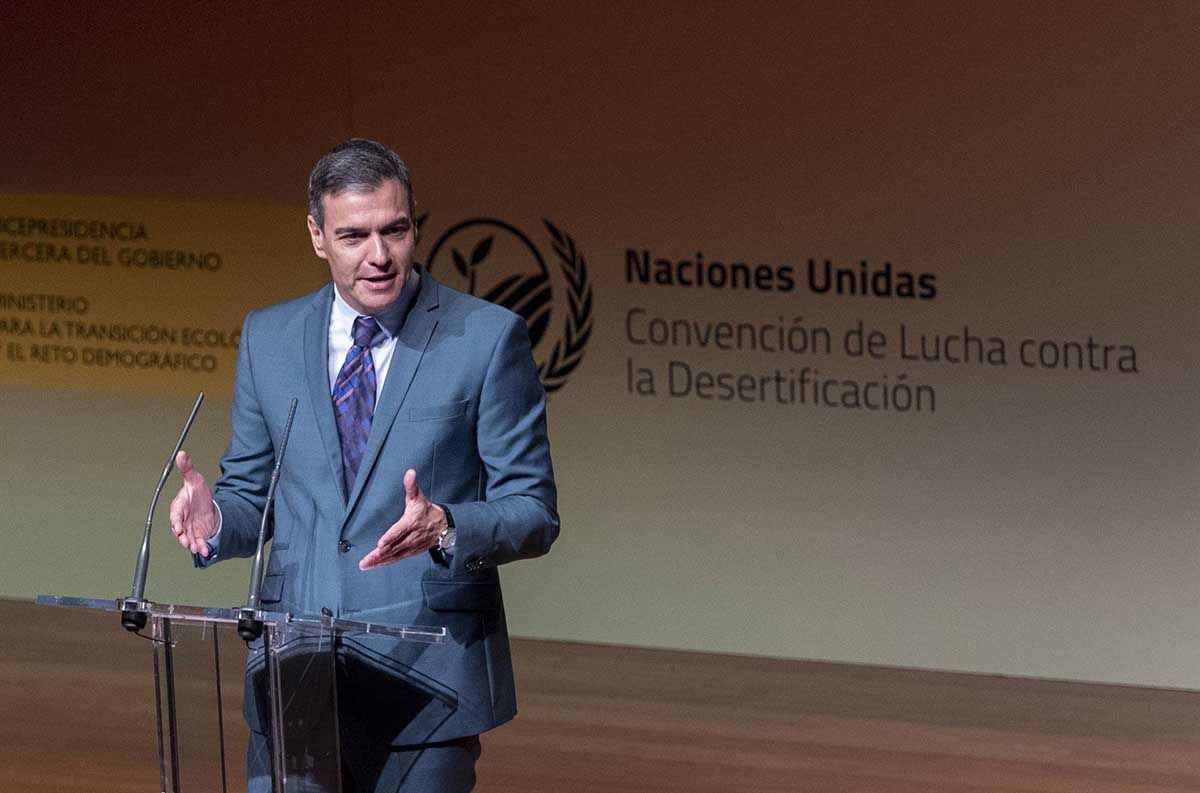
x,y
446,541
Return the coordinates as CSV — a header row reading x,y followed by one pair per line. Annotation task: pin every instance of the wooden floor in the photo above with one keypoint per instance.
x,y
76,715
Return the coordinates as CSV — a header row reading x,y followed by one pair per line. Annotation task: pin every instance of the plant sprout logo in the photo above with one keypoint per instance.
x,y
493,260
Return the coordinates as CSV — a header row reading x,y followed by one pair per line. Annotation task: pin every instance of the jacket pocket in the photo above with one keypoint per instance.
x,y
442,410
272,588
461,595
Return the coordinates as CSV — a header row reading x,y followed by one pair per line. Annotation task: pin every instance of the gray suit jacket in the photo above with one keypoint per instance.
x,y
463,406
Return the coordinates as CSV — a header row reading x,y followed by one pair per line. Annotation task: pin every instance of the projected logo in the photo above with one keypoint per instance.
x,y
495,261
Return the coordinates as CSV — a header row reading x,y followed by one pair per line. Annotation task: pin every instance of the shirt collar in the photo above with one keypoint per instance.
x,y
391,319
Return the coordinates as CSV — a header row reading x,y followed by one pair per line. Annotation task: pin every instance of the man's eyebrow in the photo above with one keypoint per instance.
x,y
403,220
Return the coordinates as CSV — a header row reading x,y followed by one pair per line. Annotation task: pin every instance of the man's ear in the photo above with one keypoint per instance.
x,y
318,238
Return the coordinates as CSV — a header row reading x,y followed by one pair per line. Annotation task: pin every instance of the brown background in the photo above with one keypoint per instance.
x,y
1040,160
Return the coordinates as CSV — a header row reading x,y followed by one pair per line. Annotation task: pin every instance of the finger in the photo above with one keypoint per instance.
x,y
181,525
399,547
186,538
394,534
382,555
375,557
197,542
411,491
378,557
183,461
177,512
385,554
181,514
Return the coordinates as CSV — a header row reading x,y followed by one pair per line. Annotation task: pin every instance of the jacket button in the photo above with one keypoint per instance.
x,y
344,546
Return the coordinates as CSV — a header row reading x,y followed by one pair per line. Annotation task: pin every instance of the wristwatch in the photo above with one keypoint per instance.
x,y
449,535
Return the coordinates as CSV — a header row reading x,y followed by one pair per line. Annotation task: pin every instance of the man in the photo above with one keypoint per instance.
x,y
418,463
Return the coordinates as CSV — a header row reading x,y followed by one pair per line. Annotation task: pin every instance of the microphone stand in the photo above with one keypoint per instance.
x,y
133,608
250,627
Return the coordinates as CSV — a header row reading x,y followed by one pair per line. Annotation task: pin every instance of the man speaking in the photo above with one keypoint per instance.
x,y
418,463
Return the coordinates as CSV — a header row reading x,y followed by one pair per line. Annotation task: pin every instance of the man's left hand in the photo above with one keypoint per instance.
x,y
416,532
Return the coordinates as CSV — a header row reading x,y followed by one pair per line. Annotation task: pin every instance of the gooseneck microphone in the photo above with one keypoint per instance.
x,y
249,626
133,614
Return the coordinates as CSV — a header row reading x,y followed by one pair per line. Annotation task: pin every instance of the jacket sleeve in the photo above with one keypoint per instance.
x,y
241,492
518,516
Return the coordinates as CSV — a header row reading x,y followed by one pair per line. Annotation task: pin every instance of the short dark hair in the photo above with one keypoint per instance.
x,y
357,164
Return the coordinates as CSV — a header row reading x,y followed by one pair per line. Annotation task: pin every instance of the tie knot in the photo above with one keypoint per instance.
x,y
364,332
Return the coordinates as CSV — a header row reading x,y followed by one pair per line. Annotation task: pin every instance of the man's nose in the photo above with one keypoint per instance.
x,y
377,253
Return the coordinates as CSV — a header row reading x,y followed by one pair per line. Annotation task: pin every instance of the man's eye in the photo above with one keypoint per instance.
x,y
397,231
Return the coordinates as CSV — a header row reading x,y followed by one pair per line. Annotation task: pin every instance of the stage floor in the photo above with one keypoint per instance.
x,y
76,714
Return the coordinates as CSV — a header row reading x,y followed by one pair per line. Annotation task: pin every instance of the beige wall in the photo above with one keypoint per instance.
x,y
1040,163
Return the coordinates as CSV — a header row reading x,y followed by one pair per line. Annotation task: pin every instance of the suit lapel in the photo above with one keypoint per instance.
x,y
316,372
410,348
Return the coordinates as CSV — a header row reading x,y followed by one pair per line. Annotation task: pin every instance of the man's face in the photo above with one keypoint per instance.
x,y
368,240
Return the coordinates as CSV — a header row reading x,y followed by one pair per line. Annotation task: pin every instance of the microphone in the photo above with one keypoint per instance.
x,y
133,613
249,627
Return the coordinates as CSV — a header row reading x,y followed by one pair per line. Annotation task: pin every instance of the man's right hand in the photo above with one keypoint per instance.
x,y
193,514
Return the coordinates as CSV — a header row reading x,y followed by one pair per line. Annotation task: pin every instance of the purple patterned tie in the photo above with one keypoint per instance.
x,y
354,397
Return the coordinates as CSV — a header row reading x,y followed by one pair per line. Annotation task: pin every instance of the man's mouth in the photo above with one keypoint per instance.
x,y
379,281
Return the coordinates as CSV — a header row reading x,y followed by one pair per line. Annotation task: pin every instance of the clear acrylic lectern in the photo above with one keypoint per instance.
x,y
294,666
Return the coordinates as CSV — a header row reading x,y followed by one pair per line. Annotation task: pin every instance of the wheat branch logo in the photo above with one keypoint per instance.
x,y
495,261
